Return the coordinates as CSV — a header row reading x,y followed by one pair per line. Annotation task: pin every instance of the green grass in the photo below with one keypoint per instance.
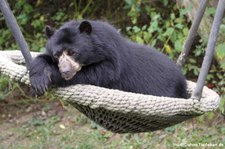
x,y
59,132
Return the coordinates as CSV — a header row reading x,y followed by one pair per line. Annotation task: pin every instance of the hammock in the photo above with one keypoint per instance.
x,y
121,111
116,110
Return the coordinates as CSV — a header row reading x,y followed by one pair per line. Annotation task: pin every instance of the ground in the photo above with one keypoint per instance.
x,y
47,122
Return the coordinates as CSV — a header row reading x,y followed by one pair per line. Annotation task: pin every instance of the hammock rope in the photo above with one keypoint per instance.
x,y
116,110
121,111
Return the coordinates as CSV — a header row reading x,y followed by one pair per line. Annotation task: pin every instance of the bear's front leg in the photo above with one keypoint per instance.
x,y
40,74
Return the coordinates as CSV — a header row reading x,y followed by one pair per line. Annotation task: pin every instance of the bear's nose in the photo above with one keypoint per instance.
x,y
66,73
65,70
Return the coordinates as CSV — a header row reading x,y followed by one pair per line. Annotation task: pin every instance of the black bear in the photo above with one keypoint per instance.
x,y
94,52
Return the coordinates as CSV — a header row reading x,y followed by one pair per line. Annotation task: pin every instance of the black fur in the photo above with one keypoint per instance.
x,y
109,60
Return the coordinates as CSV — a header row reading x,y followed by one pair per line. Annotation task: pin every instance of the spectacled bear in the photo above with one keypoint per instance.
x,y
94,52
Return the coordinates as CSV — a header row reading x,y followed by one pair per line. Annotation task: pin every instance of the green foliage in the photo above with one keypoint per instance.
x,y
32,16
220,54
25,9
134,7
30,24
5,36
4,87
219,51
222,106
165,31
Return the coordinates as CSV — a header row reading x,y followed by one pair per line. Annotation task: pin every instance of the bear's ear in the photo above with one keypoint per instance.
x,y
49,31
85,26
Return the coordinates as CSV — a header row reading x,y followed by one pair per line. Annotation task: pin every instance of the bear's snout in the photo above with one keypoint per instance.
x,y
68,67
67,73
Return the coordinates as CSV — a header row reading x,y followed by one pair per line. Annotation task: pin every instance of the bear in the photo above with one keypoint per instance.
x,y
94,52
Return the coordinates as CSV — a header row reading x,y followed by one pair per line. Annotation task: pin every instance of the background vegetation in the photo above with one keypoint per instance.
x,y
48,123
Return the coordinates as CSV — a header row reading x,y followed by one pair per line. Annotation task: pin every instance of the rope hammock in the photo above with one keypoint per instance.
x,y
116,110
120,111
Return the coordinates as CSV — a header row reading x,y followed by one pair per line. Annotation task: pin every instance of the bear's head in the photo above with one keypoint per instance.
x,y
73,46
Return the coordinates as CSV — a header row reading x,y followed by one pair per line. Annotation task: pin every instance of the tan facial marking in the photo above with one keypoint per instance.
x,y
68,67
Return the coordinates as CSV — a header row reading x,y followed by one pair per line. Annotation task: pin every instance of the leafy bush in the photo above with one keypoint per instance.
x,y
32,16
165,30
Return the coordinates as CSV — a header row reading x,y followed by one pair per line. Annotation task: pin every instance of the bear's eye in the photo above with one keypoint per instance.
x,y
71,53
56,57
